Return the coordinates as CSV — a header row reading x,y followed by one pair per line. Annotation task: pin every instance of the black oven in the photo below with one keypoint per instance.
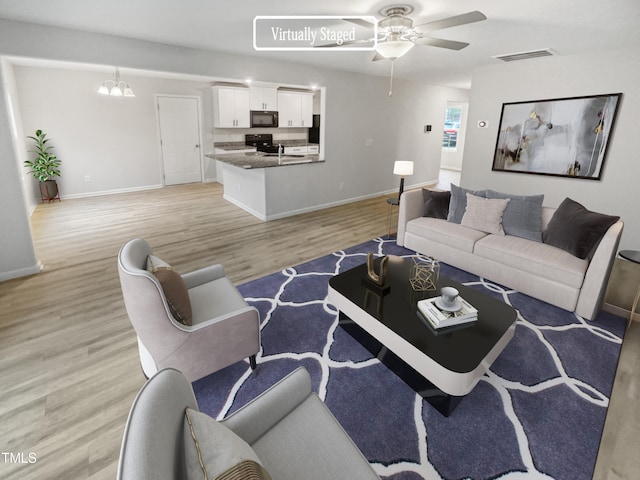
x,y
262,119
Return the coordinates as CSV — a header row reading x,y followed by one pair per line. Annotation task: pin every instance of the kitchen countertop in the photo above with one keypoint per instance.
x,y
262,160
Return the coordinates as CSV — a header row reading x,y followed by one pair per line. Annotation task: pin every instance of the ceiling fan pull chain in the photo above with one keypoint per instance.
x,y
391,80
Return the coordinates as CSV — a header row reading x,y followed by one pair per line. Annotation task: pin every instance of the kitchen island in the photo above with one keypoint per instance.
x,y
253,181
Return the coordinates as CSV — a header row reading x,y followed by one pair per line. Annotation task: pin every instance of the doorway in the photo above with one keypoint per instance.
x,y
179,128
453,136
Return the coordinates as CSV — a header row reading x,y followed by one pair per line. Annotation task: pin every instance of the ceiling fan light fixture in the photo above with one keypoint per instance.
x,y
394,48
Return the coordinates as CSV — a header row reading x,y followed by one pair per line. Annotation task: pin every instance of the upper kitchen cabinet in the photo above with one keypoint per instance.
x,y
264,98
295,109
231,107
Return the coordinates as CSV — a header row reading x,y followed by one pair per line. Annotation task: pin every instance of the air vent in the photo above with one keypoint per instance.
x,y
512,57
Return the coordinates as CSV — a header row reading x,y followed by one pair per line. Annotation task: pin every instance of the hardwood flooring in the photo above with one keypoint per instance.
x,y
69,367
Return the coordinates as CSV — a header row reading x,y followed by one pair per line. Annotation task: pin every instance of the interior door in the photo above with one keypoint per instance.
x,y
179,119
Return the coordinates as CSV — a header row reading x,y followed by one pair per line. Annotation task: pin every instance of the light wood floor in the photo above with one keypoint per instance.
x,y
69,367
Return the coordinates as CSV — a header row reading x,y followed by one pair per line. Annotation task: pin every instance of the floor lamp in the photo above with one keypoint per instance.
x,y
402,168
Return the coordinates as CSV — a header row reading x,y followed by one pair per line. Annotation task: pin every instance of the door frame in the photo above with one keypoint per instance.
x,y
156,99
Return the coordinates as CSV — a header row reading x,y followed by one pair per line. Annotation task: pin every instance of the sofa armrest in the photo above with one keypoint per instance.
x,y
596,279
411,206
265,411
204,275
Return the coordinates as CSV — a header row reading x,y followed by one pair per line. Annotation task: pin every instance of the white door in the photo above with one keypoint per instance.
x,y
179,119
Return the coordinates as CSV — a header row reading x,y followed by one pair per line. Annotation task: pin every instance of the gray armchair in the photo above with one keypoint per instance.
x,y
224,328
288,430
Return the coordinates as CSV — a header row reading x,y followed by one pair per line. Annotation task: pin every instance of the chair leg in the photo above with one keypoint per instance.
x,y
252,362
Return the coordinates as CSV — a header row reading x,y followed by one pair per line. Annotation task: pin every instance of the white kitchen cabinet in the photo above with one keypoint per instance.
x,y
264,98
295,109
302,150
231,107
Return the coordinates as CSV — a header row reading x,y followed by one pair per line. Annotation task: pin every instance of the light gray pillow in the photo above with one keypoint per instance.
x,y
485,214
211,450
523,216
458,202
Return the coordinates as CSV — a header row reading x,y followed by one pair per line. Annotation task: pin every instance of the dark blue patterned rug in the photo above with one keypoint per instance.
x,y
538,413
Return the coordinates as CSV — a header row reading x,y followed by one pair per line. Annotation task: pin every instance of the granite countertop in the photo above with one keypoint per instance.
x,y
263,160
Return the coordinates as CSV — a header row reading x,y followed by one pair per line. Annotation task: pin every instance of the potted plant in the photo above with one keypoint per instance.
x,y
44,167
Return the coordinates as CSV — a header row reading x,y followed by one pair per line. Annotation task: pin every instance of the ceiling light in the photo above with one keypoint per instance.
x,y
116,88
394,48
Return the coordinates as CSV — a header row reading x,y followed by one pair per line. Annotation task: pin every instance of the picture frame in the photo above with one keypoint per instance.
x,y
564,137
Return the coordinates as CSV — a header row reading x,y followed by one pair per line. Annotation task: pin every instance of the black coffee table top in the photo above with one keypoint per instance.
x,y
460,350
631,255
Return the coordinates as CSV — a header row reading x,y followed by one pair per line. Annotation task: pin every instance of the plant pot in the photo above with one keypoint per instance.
x,y
49,191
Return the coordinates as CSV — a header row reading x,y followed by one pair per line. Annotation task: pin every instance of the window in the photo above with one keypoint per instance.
x,y
451,127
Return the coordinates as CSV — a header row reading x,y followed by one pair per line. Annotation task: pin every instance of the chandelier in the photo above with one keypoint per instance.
x,y
116,88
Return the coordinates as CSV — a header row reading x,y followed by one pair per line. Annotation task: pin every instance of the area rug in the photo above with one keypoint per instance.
x,y
538,413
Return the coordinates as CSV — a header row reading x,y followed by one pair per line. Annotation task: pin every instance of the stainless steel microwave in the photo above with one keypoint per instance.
x,y
261,118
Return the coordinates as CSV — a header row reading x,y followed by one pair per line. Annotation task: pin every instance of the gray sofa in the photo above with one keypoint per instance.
x,y
287,431
534,268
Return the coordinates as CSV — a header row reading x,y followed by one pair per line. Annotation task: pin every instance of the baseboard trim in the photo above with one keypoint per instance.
x,y
110,192
245,208
22,272
291,213
620,312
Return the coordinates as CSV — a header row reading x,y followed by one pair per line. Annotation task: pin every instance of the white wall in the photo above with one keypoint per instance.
x,y
114,140
617,192
17,255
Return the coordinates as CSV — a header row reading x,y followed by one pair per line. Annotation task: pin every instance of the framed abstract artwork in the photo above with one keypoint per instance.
x,y
566,137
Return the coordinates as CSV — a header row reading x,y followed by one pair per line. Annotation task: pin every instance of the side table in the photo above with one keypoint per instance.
x,y
632,256
392,202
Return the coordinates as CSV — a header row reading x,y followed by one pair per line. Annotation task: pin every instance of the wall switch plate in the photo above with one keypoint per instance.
x,y
87,178
368,142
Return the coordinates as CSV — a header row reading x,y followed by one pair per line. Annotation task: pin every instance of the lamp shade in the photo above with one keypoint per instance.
x,y
403,168
394,48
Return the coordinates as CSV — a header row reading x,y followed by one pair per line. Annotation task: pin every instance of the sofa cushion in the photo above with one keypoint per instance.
x,y
213,451
443,231
575,229
523,216
436,204
458,203
535,258
174,289
484,214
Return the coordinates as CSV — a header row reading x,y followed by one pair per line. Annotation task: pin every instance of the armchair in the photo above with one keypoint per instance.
x,y
288,430
224,328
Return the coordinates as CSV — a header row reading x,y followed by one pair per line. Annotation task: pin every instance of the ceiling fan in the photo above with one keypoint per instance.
x,y
397,34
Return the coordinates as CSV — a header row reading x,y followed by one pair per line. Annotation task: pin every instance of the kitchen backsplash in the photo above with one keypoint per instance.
x,y
237,134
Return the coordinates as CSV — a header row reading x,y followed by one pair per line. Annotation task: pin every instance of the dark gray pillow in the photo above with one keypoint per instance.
x,y
458,203
575,229
523,215
436,204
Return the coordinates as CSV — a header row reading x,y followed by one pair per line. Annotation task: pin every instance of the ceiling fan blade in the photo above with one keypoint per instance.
x,y
438,42
360,22
377,57
457,20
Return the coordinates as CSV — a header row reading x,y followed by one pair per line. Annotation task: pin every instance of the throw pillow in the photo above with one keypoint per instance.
x,y
575,229
436,204
485,214
213,451
458,204
523,216
174,289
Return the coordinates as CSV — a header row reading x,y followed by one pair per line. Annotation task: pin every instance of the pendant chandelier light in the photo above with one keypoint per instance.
x,y
116,88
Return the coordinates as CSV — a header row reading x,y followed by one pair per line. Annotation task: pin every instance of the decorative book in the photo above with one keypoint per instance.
x,y
439,318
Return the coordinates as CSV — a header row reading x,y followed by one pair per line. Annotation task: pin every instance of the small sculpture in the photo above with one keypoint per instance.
x,y
377,278
424,273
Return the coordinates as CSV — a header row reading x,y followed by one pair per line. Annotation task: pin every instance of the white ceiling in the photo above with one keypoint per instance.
x,y
566,26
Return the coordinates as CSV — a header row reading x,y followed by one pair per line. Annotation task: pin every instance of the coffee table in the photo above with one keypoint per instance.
x,y
441,366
